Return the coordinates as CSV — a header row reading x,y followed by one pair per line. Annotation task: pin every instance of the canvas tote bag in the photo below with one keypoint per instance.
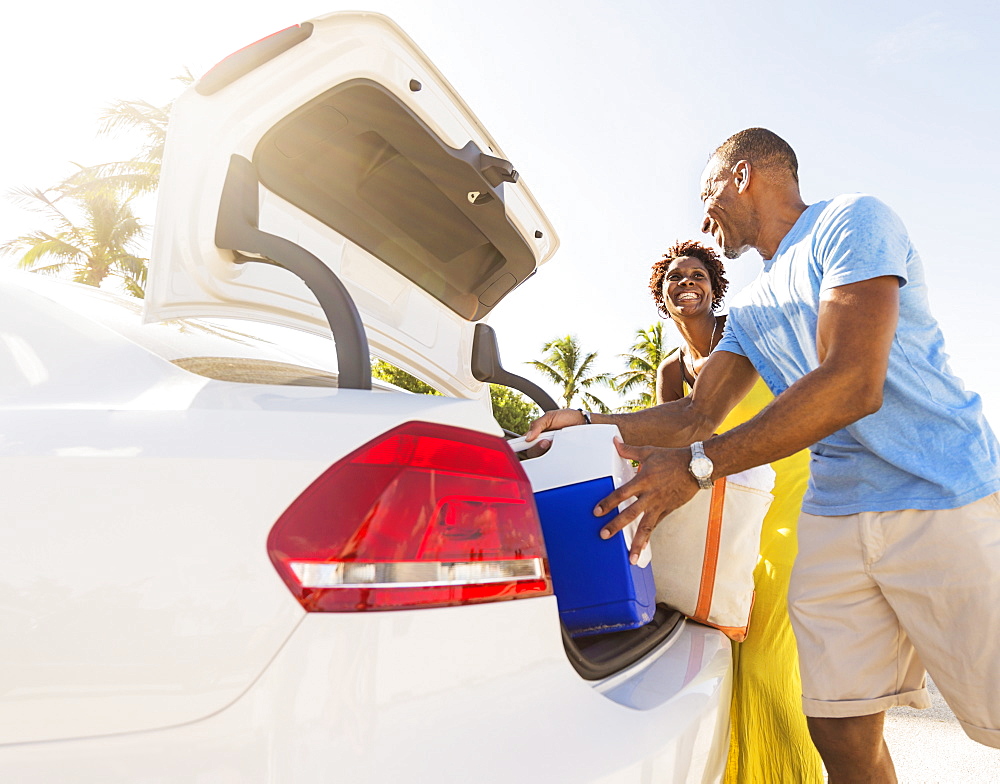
x,y
704,553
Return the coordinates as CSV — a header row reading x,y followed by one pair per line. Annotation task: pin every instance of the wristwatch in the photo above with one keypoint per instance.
x,y
701,466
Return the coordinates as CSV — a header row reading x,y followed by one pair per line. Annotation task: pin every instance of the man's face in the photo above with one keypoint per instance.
x,y
727,215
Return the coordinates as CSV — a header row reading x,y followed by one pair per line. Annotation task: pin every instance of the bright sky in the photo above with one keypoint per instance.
x,y
609,110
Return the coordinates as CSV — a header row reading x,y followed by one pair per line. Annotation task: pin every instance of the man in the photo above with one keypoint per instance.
x,y
899,541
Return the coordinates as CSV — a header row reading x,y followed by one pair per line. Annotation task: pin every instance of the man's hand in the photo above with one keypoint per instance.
x,y
662,485
554,420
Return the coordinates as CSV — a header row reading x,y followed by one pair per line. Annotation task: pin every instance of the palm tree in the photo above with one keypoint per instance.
x,y
96,235
140,174
642,362
565,364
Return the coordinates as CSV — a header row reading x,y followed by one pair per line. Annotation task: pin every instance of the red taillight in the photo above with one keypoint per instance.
x,y
425,514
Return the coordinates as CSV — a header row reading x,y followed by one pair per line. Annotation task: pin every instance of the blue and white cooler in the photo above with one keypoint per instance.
x,y
597,589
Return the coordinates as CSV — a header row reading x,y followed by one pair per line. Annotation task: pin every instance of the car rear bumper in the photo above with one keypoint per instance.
x,y
482,693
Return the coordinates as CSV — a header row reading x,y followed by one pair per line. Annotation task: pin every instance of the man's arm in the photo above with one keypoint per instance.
x,y
856,328
724,381
857,325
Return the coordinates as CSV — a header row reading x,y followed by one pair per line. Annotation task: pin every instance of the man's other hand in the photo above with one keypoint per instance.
x,y
662,485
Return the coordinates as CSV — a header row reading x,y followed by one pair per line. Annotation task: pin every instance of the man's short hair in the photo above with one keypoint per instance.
x,y
764,149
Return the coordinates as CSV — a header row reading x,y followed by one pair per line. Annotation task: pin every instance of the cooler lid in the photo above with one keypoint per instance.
x,y
578,454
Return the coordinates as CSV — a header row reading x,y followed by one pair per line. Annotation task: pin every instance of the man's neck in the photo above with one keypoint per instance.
x,y
779,221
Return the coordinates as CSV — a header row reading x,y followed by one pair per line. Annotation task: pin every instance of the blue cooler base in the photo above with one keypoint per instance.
x,y
596,587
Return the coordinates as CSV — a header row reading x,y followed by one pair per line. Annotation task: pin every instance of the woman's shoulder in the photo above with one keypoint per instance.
x,y
669,380
673,358
671,365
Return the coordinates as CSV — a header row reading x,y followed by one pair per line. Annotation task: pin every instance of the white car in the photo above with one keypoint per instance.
x,y
228,558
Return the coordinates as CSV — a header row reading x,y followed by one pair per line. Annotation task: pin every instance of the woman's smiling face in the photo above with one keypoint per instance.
x,y
687,288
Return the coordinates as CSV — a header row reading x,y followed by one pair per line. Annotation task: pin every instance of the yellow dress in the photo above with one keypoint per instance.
x,y
770,743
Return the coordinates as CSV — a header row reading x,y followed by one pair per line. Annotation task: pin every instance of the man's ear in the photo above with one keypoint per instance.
x,y
741,176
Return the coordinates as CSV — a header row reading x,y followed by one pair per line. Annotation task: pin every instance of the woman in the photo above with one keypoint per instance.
x,y
770,741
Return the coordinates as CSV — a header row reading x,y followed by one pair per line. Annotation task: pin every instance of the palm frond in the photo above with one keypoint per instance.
x,y
135,115
185,77
568,366
43,246
37,200
127,178
625,382
595,404
134,286
20,244
132,271
58,268
546,370
641,365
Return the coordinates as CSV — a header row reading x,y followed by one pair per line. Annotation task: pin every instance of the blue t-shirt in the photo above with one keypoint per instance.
x,y
929,446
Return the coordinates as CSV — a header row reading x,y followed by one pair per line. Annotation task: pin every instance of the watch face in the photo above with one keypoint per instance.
x,y
701,467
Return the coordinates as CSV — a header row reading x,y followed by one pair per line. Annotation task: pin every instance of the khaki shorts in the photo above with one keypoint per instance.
x,y
877,597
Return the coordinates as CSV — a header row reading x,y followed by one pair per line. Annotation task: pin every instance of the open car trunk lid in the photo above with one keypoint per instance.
x,y
348,143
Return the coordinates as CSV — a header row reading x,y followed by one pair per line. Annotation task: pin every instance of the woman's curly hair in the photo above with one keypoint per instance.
x,y
704,254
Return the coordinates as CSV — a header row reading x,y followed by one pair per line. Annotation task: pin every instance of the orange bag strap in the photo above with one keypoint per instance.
x,y
713,538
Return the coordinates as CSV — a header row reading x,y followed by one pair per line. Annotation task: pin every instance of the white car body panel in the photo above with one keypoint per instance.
x,y
147,635
119,651
470,697
147,632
